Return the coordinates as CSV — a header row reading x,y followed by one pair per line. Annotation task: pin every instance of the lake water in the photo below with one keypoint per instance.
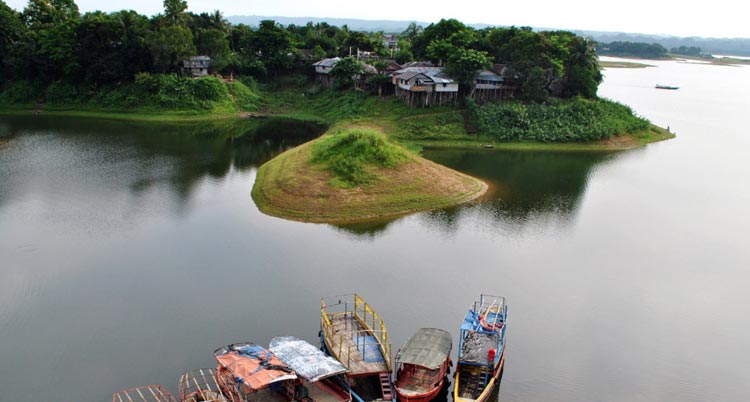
x,y
129,253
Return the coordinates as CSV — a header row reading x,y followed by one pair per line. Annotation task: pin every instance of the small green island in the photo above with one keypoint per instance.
x,y
382,96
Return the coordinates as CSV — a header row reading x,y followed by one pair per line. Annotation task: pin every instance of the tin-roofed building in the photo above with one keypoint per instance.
x,y
196,66
323,70
487,86
425,86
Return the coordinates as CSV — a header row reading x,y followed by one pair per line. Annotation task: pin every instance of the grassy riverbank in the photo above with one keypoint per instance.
x,y
519,126
354,173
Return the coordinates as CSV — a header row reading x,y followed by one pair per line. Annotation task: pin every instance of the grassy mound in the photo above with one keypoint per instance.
x,y
355,175
354,156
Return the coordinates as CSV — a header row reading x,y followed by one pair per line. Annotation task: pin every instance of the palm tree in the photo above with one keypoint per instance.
x,y
174,12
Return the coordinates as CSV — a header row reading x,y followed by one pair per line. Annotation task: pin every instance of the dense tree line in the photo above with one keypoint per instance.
x,y
687,51
637,49
50,43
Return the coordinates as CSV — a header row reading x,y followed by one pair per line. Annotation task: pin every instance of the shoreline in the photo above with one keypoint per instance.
x,y
165,116
621,142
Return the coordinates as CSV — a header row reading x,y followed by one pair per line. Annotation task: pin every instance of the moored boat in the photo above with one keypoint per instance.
x,y
146,393
353,333
481,349
248,372
422,364
321,377
200,385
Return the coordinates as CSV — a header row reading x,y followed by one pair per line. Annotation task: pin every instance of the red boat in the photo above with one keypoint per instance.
x,y
250,373
422,365
147,393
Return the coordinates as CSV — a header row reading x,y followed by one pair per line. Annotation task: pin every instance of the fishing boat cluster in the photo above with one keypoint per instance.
x,y
353,363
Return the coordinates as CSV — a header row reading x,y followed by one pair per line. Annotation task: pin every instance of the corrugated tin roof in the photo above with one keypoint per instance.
x,y
305,359
488,75
434,73
327,62
428,347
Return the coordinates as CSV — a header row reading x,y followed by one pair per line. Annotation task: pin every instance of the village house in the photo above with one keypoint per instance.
x,y
196,66
390,43
425,86
323,70
487,86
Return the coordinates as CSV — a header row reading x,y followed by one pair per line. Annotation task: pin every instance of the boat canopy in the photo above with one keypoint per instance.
x,y
305,359
428,347
253,365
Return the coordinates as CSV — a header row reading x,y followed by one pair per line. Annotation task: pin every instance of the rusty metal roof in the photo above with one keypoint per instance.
x,y
428,347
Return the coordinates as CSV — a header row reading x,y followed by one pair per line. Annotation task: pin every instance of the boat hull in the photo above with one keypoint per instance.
x,y
483,397
425,397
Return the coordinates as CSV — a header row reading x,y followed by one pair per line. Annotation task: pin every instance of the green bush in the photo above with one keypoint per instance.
x,y
209,89
352,155
558,121
61,92
22,92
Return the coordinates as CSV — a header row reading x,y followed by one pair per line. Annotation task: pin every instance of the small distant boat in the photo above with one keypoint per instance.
x,y
481,349
422,364
353,333
147,393
248,372
658,86
321,377
200,385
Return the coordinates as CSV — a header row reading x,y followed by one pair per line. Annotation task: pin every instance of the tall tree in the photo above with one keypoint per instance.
x,y
14,38
174,12
169,46
214,43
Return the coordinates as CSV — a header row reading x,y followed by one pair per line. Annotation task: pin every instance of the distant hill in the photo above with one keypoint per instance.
x,y
353,24
730,46
727,46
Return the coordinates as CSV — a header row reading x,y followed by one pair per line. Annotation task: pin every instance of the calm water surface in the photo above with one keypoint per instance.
x,y
128,253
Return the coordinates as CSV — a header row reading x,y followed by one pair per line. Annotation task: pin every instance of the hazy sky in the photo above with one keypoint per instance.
x,y
718,18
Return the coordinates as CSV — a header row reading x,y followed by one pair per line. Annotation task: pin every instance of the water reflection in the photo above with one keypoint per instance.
x,y
524,186
144,155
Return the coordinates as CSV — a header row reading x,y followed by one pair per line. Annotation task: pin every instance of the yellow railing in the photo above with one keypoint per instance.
x,y
375,325
367,317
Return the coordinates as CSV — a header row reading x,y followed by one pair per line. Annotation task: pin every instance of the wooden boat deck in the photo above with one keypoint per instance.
x,y
345,326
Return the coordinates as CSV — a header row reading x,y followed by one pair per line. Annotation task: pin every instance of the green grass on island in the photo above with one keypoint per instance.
x,y
355,173
623,64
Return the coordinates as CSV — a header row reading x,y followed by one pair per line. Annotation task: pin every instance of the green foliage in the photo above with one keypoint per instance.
x,y
463,64
246,96
563,121
215,44
443,126
638,49
353,155
169,46
174,12
61,92
344,71
687,50
24,91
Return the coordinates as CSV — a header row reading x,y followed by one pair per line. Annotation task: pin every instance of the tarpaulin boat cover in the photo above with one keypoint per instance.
x,y
476,347
253,366
308,361
428,347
